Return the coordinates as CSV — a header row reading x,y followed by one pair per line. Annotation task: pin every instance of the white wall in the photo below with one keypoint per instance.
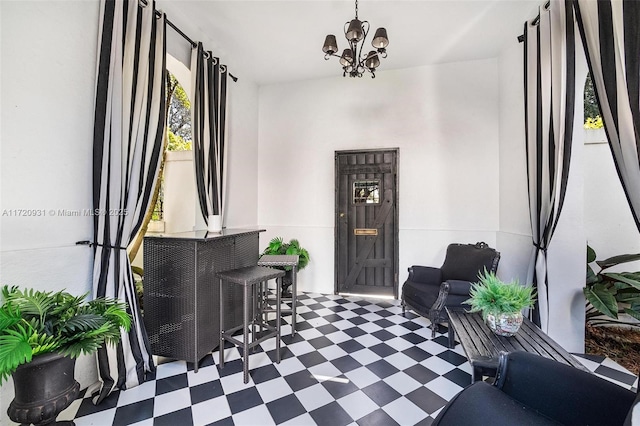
x,y
46,134
443,118
608,221
514,237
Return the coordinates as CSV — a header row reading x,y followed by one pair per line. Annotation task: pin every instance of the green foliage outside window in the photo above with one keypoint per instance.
x,y
592,118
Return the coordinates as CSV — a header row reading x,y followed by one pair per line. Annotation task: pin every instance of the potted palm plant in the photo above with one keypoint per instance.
x,y
292,248
41,335
500,303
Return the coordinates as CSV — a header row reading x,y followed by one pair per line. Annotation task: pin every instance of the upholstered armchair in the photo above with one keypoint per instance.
x,y
429,290
533,390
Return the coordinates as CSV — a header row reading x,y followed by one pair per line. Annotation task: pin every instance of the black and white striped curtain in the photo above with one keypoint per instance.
x,y
127,147
549,111
610,31
209,130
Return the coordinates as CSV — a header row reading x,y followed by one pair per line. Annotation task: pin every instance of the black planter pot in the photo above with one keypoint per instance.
x,y
287,281
43,388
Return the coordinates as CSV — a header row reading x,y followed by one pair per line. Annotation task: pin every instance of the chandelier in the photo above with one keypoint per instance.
x,y
354,62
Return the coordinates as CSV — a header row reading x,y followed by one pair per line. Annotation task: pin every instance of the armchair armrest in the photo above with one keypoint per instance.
x,y
458,287
425,274
562,392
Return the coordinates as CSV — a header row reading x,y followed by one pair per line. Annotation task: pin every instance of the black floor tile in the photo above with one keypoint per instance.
x,y
327,329
383,349
354,332
384,323
382,368
410,325
381,393
413,338
426,399
285,408
87,407
416,353
421,373
264,373
452,358
346,363
244,399
377,418
181,417
350,346
616,374
338,389
320,342
300,380
383,335
205,391
331,414
312,358
171,383
133,413
459,377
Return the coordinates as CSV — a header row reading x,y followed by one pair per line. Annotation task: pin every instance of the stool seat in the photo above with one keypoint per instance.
x,y
250,278
278,260
284,260
250,275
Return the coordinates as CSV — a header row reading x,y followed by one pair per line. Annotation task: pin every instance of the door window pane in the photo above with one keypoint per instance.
x,y
366,192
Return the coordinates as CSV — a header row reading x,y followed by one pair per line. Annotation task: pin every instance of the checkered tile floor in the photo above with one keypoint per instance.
x,y
353,361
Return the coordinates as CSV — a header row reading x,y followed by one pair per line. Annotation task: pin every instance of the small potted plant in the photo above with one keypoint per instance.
x,y
500,303
41,335
292,248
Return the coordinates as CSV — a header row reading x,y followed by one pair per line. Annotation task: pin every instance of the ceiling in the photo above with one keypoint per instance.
x,y
272,41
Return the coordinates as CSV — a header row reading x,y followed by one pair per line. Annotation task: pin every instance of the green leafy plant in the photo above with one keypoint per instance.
x,y
611,293
36,322
492,296
278,246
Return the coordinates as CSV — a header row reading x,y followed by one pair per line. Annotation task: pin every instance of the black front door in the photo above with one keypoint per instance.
x,y
366,249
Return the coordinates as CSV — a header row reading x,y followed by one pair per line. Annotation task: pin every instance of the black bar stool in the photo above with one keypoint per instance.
x,y
274,260
250,278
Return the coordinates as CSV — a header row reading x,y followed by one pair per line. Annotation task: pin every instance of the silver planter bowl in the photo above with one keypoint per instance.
x,y
505,324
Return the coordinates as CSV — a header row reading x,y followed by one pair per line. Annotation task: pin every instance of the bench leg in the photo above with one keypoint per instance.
x,y
452,337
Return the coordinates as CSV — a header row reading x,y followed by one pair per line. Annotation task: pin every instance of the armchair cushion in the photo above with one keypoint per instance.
x,y
425,274
483,404
459,287
465,261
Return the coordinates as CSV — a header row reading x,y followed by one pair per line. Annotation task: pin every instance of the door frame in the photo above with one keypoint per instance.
x,y
396,216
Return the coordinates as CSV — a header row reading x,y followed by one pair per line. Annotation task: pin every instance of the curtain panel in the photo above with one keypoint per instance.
x,y
127,146
209,130
549,67
610,31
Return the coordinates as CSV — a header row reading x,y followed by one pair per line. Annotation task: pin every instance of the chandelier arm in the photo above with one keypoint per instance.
x,y
365,30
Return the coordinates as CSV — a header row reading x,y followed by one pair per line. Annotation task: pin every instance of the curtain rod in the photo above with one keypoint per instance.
x,y
535,21
181,33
